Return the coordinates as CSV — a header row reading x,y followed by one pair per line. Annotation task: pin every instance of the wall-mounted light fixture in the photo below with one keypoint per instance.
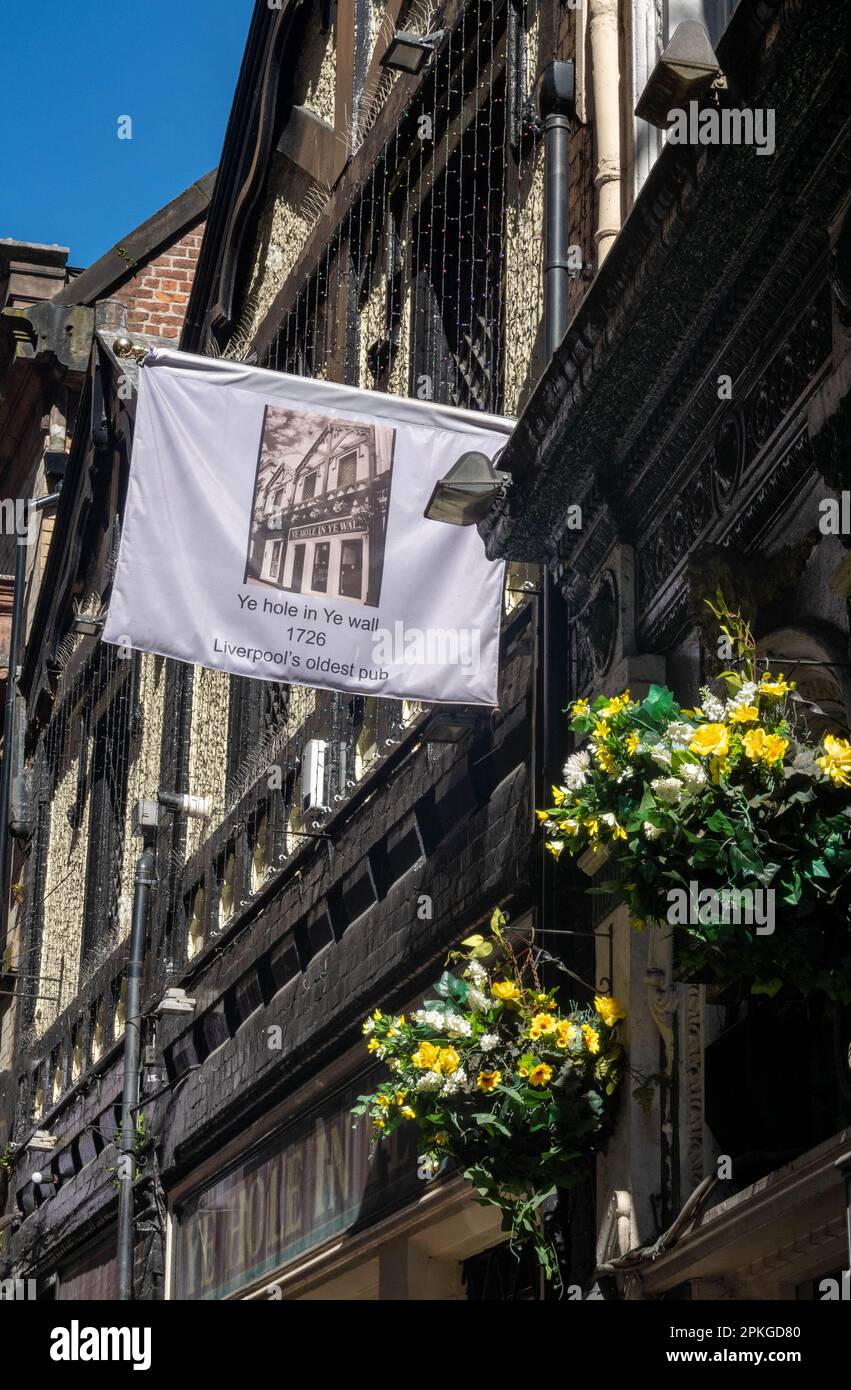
x,y
407,52
685,71
175,1001
87,624
467,492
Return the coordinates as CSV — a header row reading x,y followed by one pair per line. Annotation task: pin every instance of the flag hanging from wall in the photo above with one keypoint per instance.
x,y
274,528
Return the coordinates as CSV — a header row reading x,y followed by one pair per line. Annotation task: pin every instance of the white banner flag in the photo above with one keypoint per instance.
x,y
274,528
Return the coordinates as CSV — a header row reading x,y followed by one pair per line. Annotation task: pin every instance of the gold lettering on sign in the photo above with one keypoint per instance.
x,y
294,1207
236,1241
273,1231
256,1216
331,1184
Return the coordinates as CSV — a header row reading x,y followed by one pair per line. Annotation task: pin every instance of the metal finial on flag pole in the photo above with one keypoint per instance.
x,y
122,347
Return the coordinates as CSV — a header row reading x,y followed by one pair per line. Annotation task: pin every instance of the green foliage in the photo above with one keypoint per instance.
x,y
498,1079
731,796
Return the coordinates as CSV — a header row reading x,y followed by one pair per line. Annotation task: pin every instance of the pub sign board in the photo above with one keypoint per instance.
x,y
307,1183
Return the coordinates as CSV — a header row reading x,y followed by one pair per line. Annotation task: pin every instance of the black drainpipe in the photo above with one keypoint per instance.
x,y
6,765
555,97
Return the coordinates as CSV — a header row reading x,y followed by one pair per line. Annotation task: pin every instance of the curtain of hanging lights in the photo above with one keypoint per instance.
x,y
78,801
407,296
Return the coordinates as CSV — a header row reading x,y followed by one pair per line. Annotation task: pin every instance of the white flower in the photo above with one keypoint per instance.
x,y
369,1025
451,1085
661,755
476,972
488,1041
679,733
712,707
394,1064
430,1081
652,831
477,1000
575,771
453,1025
693,775
668,789
746,696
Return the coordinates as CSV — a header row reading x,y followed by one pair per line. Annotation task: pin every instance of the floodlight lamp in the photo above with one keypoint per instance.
x,y
467,492
685,72
409,52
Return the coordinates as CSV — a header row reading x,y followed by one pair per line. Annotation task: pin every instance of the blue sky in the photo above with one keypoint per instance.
x,y
71,70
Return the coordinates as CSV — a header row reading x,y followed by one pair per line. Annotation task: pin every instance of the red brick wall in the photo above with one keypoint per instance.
x,y
158,293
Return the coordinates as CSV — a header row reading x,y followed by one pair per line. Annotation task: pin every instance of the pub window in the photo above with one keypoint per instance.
x,y
351,569
38,1104
120,1016
366,740
321,560
308,487
106,824
76,1054
348,474
195,925
227,888
261,858
98,1032
57,1086
458,236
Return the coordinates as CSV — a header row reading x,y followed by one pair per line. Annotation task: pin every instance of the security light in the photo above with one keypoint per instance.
x,y
87,624
409,52
175,1001
450,725
467,492
41,1139
685,71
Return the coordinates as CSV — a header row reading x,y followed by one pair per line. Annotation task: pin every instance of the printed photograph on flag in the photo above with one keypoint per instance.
x,y
275,527
321,499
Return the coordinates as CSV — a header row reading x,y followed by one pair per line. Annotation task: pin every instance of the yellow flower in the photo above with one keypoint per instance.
x,y
632,742
601,729
373,1045
618,832
566,1033
554,847
836,761
543,816
592,1037
540,1074
593,827
775,747
544,1022
399,1097
441,1138
766,747
449,1061
382,1100
488,1080
745,714
777,686
607,761
408,1113
506,990
711,738
609,1009
570,827
426,1056
379,1123
559,796
579,708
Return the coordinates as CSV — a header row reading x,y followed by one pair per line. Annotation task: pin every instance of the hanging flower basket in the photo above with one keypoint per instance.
x,y
727,821
501,1081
